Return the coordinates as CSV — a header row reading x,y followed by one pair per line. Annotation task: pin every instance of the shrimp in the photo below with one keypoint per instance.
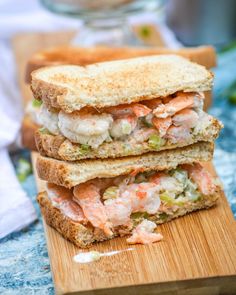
x,y
182,101
118,210
166,182
126,118
162,124
178,134
143,233
201,177
186,117
152,104
123,126
141,197
87,195
142,135
156,178
85,129
63,199
49,120
144,197
137,109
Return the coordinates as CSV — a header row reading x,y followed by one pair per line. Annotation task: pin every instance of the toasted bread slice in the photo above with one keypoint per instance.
x,y
71,174
58,147
118,82
204,55
84,235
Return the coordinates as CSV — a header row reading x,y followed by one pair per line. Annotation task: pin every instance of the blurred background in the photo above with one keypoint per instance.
x,y
46,32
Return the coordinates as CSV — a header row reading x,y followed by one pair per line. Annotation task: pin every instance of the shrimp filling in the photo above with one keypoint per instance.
x,y
158,122
125,201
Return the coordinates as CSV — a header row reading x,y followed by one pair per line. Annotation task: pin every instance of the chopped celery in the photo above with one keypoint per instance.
x,y
126,127
139,215
44,130
36,103
84,148
163,216
155,141
192,195
111,193
181,176
167,198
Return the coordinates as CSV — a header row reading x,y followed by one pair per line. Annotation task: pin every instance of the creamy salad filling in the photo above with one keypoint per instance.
x,y
126,201
173,119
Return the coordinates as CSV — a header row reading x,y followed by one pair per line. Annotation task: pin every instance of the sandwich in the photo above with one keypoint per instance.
x,y
91,201
121,146
122,108
204,55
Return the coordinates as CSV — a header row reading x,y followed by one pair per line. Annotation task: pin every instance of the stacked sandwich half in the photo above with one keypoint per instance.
x,y
121,146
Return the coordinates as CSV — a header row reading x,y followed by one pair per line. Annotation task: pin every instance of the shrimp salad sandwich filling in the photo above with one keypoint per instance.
x,y
133,204
122,108
148,125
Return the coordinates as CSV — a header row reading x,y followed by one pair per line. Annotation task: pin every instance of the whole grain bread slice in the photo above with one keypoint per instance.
x,y
71,174
72,87
84,235
58,147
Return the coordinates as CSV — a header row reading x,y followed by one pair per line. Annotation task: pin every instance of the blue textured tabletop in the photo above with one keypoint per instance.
x,y
24,262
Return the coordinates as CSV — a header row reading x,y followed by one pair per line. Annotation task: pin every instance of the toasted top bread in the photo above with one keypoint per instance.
x,y
71,174
203,55
118,82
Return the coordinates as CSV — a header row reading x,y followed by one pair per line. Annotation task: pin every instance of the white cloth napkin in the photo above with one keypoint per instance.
x,y
16,209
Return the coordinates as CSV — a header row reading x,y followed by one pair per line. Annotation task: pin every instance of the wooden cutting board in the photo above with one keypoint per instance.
x,y
197,255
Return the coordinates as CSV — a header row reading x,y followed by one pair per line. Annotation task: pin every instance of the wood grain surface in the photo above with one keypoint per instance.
x,y
197,255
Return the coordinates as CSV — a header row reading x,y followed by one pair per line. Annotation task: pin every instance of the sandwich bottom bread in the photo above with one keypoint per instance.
x,y
132,204
91,201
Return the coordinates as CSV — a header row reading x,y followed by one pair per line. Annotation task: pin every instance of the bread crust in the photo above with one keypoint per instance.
x,y
58,147
28,129
71,174
203,55
118,82
84,236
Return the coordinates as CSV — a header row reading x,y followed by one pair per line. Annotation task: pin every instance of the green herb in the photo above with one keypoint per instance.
x,y
44,130
139,215
155,141
163,216
23,169
126,127
36,103
84,149
145,32
110,193
165,197
230,93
